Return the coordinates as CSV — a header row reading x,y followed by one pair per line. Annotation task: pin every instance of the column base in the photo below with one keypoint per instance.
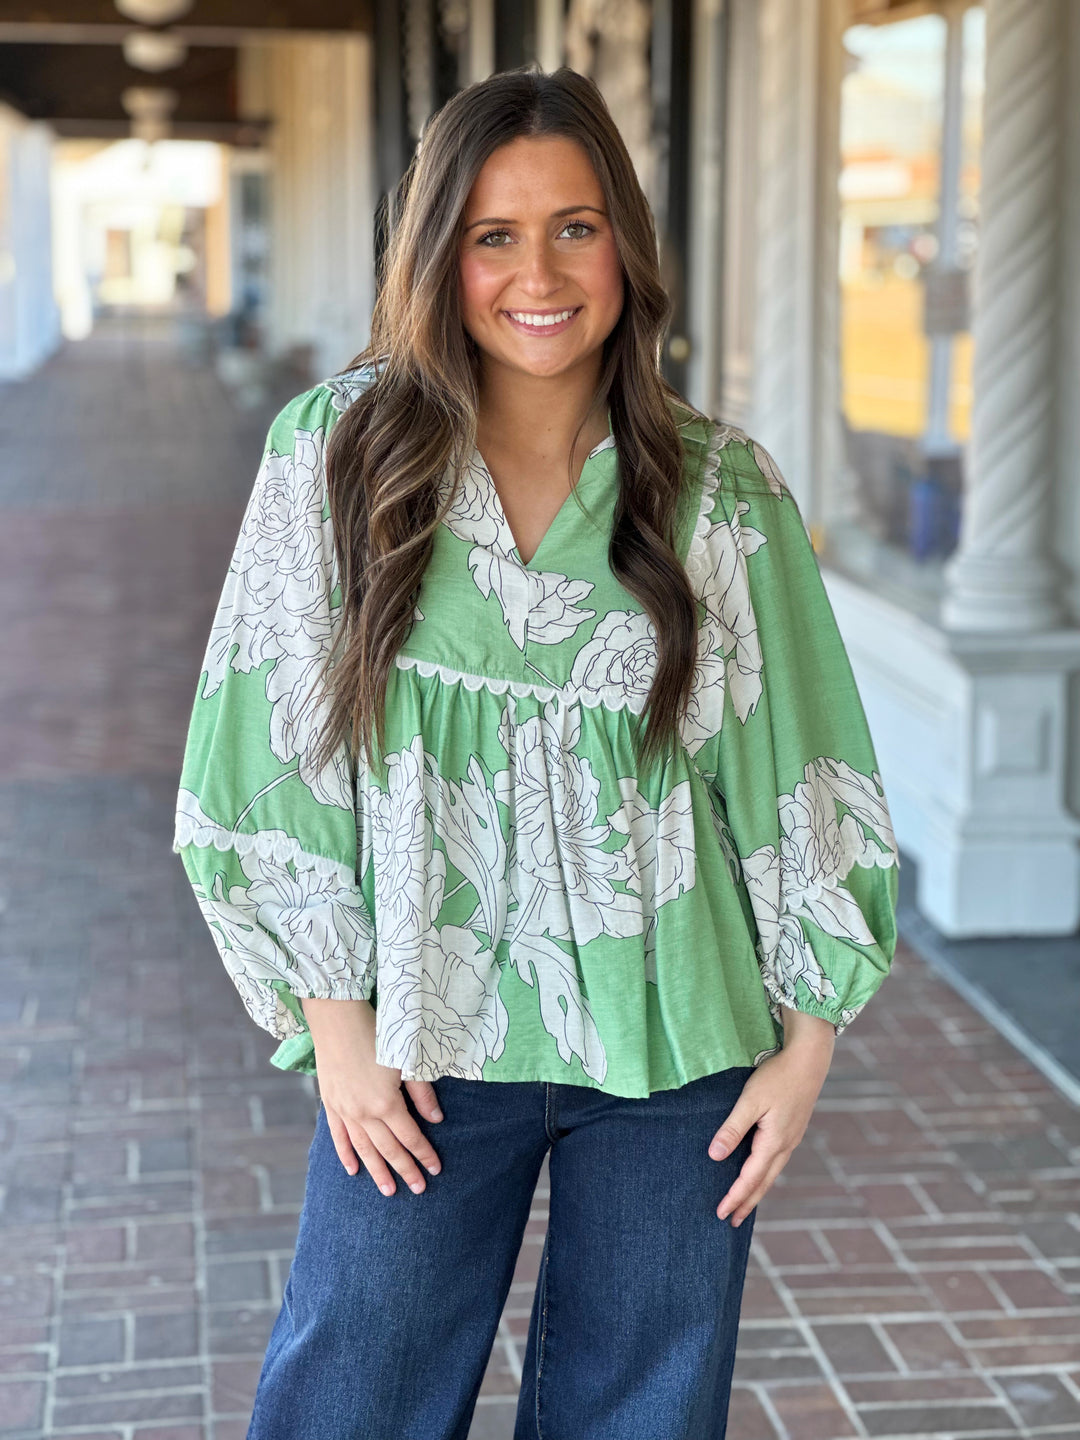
x,y
975,887
972,733
988,593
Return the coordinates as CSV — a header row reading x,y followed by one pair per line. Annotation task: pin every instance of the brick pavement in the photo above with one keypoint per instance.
x,y
916,1272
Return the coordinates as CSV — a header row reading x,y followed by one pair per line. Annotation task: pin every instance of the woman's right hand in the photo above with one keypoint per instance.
x,y
365,1106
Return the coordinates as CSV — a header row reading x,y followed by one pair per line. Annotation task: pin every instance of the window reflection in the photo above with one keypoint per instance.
x,y
909,183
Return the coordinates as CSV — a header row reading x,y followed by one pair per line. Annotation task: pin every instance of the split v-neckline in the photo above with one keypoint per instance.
x,y
508,542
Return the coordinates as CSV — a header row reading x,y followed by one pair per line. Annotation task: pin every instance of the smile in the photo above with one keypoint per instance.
x,y
546,324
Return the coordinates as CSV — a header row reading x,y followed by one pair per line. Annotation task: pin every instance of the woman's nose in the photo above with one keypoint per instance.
x,y
539,270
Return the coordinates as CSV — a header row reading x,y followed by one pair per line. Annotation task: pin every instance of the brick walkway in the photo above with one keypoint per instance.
x,y
916,1272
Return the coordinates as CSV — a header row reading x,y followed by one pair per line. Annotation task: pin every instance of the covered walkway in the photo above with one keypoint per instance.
x,y
916,1271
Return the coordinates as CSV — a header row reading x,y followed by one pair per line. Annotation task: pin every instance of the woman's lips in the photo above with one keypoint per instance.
x,y
542,329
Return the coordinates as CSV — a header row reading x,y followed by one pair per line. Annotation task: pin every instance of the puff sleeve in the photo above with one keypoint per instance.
x,y
269,842
796,777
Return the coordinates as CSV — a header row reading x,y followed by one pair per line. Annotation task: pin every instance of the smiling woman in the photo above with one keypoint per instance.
x,y
539,276
539,302
527,752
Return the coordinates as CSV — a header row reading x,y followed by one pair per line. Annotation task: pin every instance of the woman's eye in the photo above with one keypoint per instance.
x,y
570,225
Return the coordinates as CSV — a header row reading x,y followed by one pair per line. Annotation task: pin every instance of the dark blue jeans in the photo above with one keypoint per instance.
x,y
392,1303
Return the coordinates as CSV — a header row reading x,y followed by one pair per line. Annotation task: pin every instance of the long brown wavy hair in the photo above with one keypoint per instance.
x,y
388,452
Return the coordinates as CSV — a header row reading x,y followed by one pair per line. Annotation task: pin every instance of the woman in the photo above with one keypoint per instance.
x,y
527,751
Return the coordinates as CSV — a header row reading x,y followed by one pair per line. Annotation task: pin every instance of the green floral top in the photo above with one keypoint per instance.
x,y
514,896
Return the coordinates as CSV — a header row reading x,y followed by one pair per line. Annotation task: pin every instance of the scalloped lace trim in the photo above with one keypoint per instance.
x,y
697,567
194,827
612,697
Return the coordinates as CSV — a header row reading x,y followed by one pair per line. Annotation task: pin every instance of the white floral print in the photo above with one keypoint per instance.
x,y
523,861
408,873
659,851
475,514
276,606
731,622
467,820
439,1007
805,878
555,611
539,606
766,465
619,655
299,918
564,1012
567,877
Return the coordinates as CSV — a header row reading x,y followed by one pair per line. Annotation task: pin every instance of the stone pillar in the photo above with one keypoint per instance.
x,y
320,92
481,39
1002,576
796,344
787,91
29,319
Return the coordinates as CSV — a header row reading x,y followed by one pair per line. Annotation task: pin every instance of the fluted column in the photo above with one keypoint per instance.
x,y
796,346
1003,575
786,103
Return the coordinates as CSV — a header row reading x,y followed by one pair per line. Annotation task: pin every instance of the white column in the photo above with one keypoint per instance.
x,y
29,319
937,440
734,399
549,34
319,91
1003,577
707,262
481,39
796,347
786,94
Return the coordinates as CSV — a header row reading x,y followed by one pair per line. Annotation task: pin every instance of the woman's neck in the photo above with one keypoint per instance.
x,y
538,416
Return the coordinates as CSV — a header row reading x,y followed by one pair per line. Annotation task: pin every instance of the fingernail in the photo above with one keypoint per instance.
x,y
436,1114
433,1169
387,1189
416,1186
718,1151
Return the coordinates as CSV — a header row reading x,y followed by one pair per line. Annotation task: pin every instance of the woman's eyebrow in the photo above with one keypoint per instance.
x,y
555,215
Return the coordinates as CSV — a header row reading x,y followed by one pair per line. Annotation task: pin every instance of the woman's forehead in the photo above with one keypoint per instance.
x,y
533,170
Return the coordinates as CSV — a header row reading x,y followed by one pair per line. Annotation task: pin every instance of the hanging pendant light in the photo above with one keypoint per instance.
x,y
149,107
153,12
154,50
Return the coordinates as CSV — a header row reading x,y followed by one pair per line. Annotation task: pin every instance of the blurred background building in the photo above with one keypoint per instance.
x,y
868,213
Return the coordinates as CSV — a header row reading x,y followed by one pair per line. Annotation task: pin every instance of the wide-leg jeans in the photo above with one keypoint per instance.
x,y
392,1303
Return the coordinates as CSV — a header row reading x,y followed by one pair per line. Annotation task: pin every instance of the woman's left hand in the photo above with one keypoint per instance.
x,y
779,1097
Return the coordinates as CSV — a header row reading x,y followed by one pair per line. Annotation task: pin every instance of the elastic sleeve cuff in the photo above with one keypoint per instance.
x,y
839,1016
297,1051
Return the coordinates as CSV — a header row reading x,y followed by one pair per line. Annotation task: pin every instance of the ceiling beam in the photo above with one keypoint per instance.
x,y
17,34
83,83
52,21
244,134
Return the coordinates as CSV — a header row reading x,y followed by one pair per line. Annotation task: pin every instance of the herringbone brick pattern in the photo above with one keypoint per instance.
x,y
916,1272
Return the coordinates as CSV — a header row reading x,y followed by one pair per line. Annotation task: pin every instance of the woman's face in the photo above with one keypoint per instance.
x,y
536,242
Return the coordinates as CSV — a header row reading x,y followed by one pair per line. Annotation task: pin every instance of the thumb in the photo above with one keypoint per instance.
x,y
424,1098
744,1113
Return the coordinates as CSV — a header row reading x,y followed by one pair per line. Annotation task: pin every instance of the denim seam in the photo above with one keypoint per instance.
x,y
550,1112
542,1338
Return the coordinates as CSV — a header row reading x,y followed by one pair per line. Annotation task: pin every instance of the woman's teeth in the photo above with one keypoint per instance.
x,y
541,320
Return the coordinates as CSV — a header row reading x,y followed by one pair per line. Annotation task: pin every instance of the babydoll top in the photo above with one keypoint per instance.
x,y
514,895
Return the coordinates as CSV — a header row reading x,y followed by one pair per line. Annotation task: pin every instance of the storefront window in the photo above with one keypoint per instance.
x,y
911,109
